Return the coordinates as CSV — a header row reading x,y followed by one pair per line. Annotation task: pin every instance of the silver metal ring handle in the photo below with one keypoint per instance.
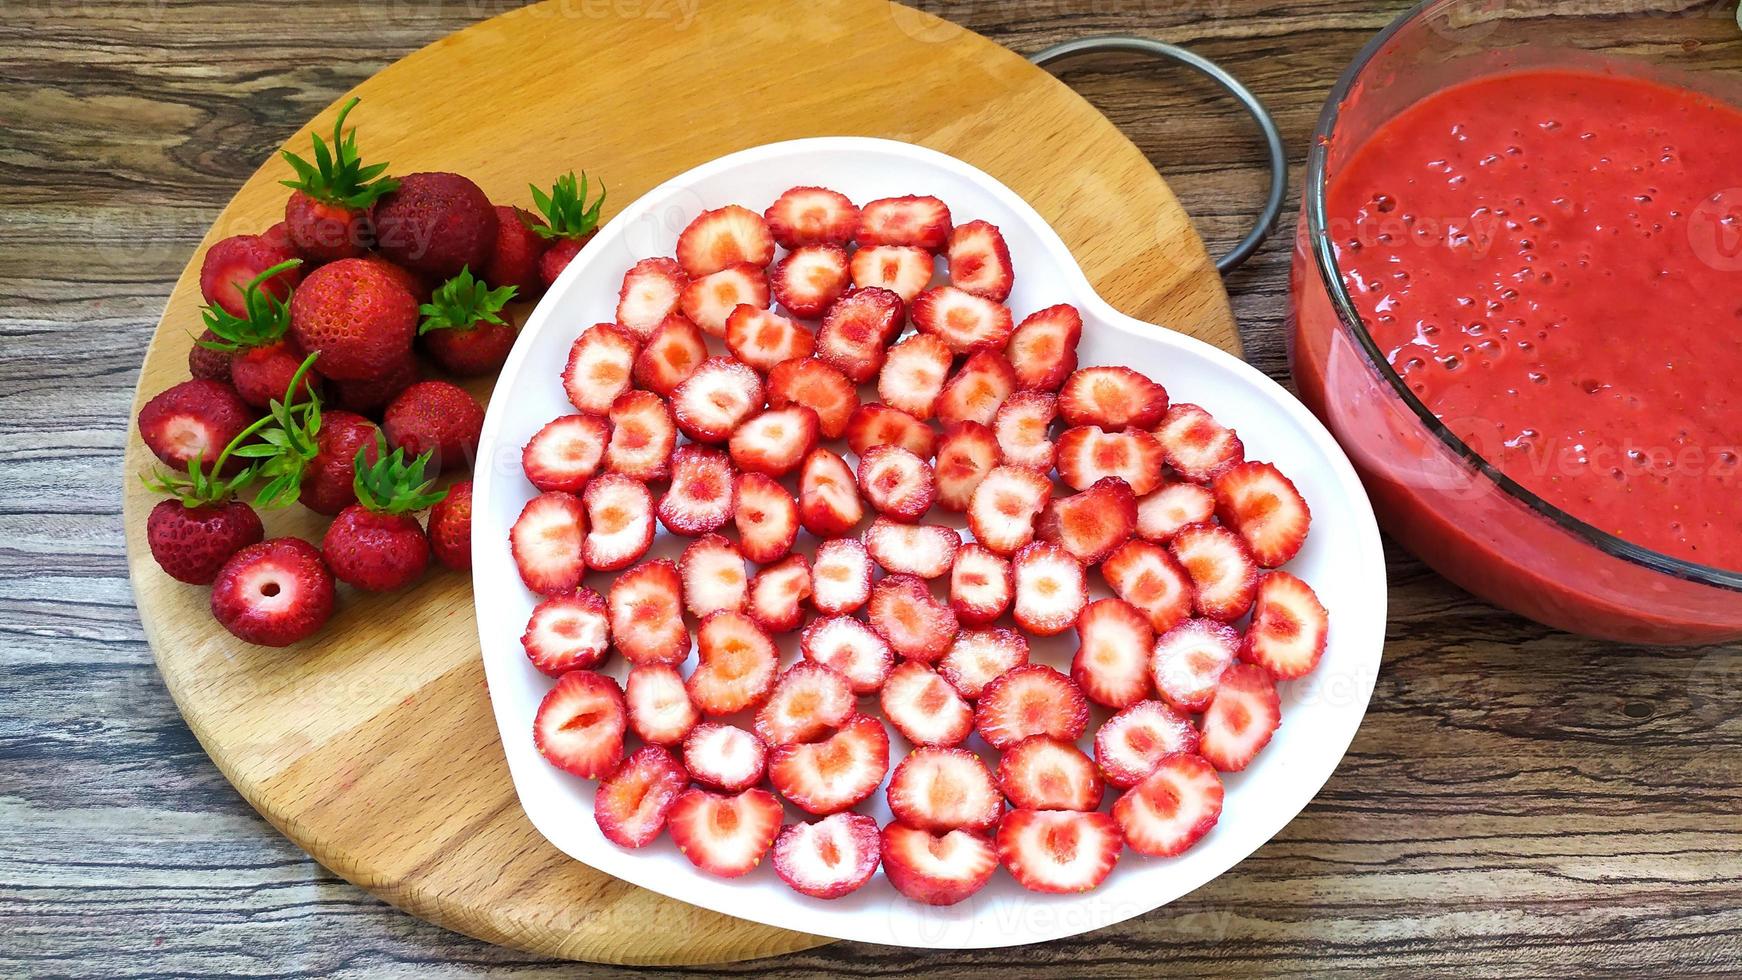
x,y
1215,73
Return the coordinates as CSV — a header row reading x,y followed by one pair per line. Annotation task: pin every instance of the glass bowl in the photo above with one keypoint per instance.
x,y
1435,494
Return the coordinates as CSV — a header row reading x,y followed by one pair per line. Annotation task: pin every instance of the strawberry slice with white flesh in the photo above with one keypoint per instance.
x,y
937,869
904,270
1089,525
633,802
919,220
856,330
716,399
874,425
925,550
1114,398
643,435
832,857
673,351
735,665
980,261
1022,425
850,648
714,576
599,367
1147,576
1224,577
812,216
833,774
652,289
1032,699
702,492
546,542
963,321
1042,773
1173,808
923,706
1133,742
977,389
913,373
1188,662
1242,715
828,495
897,483
724,237
709,301
966,453
981,585
778,592
763,338
566,453
904,612
580,723
1196,445
776,441
725,836
1161,514
940,788
979,657
660,711
646,604
1265,509
723,757
840,576
1043,348
810,279
809,702
818,387
619,522
1087,454
568,632
1289,628
1058,851
1005,505
1111,664
766,517
1051,589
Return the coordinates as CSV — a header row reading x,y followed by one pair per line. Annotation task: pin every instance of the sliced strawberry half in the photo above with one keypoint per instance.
x,y
828,497
937,869
647,614
716,399
1088,454
714,576
1051,589
832,857
1113,398
1023,426
1289,628
840,576
735,664
913,373
568,632
810,279
778,592
1171,809
904,612
1224,577
763,338
1005,505
979,657
897,483
874,425
599,367
1242,715
964,321
981,586
856,330
652,289
818,387
1189,660
724,757
643,434
566,453
1264,507
700,498
724,835
1043,348
766,517
977,389
546,542
1058,851
776,441
1089,525
904,270
1042,773
619,522
580,723
709,300
1131,743
724,237
980,261
1032,699
940,788
1196,445
660,711
850,648
809,701
922,221
1161,514
923,706
1111,664
925,550
835,773
673,351
810,216
633,802
1147,576
967,452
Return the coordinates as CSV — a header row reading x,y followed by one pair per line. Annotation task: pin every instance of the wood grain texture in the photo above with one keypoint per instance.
x,y
1518,802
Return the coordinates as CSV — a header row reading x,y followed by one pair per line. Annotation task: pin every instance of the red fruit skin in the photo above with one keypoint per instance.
x,y
557,257
375,552
418,286
450,527
371,396
328,484
472,351
360,319
515,253
208,364
435,224
232,262
274,593
279,235
325,232
261,374
192,543
438,416
168,421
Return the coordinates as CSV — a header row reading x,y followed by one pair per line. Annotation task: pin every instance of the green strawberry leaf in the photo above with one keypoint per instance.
x,y
462,302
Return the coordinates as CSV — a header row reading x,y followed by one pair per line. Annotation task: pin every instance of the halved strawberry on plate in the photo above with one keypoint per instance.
x,y
1172,808
1087,454
580,723
1265,509
1005,505
810,279
850,648
897,483
716,399
1147,576
913,373
724,237
904,270
811,216
980,261
1133,742
919,220
1224,577
1032,699
709,300
856,330
1171,507
778,592
724,835
724,757
1090,524
874,424
763,338
937,869
967,452
1114,642
828,495
546,541
829,858
600,363
568,632
646,604
924,550
566,453
818,387
1059,851
979,657
766,517
1196,445
1289,628
1043,773
938,788
1023,426
1043,348
652,290
632,803
1189,660
673,351
965,322
923,706
702,492
836,773
981,585
619,521
809,701
977,389
840,576
1243,713
735,665
660,711
1051,589
714,576
776,441
643,435
1114,398
904,612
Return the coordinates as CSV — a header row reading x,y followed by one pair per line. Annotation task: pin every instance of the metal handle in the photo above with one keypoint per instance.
x,y
1215,73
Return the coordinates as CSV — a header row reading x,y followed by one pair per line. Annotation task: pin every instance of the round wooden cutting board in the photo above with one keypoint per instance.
x,y
373,746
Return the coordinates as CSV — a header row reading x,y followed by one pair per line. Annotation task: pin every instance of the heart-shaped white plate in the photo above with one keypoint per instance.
x,y
1342,560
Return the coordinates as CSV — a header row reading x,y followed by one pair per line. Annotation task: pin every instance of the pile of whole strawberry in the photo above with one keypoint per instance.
x,y
1184,532
331,306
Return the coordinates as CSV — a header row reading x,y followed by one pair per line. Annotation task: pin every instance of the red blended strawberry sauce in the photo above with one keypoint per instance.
x,y
1552,261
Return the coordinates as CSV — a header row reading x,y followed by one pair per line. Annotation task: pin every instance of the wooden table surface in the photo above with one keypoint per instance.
x,y
1519,801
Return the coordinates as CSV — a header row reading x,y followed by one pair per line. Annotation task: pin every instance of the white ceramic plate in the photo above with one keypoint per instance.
x,y
1342,560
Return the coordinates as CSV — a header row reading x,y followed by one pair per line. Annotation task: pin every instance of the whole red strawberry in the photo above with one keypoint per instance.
x,y
328,484
450,527
206,362
557,258
260,374
274,593
570,222
327,216
370,396
279,235
463,327
435,224
414,284
194,418
376,544
357,317
262,359
514,257
232,263
192,542
436,417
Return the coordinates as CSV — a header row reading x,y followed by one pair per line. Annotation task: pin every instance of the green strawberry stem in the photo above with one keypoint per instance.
x,y
566,211
265,317
338,175
462,302
391,485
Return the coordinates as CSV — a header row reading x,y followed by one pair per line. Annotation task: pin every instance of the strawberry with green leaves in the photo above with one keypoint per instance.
x,y
570,222
463,328
262,357
195,530
327,216
376,544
